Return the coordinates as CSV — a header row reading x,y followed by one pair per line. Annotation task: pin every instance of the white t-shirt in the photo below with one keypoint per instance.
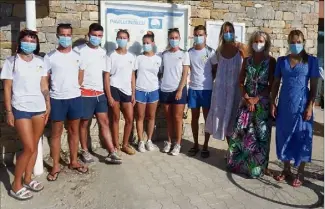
x,y
93,64
201,68
147,72
26,83
121,68
173,63
64,70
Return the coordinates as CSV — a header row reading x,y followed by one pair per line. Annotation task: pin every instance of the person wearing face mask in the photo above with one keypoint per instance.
x,y
27,105
250,143
92,93
147,68
202,72
294,111
65,69
173,94
226,93
119,84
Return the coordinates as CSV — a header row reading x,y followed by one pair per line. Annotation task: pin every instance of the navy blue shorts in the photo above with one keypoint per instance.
x,y
24,115
146,97
169,97
119,96
199,98
62,109
93,105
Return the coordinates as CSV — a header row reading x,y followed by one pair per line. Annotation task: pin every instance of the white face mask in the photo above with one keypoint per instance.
x,y
258,47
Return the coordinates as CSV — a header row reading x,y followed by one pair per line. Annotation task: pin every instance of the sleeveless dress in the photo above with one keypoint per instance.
x,y
294,135
225,97
250,143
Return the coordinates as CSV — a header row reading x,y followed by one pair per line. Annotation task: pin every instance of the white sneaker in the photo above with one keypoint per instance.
x,y
167,146
141,147
176,150
150,146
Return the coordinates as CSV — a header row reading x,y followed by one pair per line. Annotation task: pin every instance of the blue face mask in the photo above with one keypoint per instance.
x,y
199,39
147,47
65,41
174,43
121,42
27,47
94,40
296,48
228,37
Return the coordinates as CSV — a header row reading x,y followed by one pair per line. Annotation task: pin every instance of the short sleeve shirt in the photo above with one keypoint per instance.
x,y
26,82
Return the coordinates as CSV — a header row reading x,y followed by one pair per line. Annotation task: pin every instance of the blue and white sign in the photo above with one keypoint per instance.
x,y
139,17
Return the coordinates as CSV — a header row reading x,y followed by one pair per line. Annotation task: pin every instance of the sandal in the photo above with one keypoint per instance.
x,y
80,169
54,176
205,153
193,151
128,150
298,181
22,194
284,175
34,186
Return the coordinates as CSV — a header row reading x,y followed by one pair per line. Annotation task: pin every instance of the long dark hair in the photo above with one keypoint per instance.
x,y
32,34
303,53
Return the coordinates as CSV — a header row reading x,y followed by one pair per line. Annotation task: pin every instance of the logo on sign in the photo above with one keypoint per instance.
x,y
155,23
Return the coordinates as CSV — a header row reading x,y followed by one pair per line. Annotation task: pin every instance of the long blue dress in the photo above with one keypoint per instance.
x,y
293,134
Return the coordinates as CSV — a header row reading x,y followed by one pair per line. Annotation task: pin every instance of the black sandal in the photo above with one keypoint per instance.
x,y
193,151
79,169
54,175
205,153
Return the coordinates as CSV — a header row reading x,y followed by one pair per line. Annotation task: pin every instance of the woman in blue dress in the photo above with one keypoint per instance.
x,y
294,113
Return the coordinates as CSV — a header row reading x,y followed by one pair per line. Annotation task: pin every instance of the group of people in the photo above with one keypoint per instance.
x,y
237,93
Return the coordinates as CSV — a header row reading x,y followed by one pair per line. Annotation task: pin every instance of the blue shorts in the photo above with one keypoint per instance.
x,y
147,97
93,105
62,109
199,98
169,97
119,96
24,115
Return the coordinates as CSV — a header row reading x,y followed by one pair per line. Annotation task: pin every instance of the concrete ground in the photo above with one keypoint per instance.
x,y
155,180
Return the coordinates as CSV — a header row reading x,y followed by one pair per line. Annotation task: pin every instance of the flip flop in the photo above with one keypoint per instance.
x,y
205,153
193,151
22,194
34,186
79,169
54,175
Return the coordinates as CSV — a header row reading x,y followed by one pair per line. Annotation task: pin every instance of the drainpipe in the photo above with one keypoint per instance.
x,y
31,25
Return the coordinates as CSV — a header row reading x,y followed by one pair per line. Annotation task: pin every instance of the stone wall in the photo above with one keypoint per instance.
x,y
275,17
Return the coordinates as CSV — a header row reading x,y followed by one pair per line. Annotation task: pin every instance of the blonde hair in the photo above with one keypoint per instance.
x,y
221,39
252,39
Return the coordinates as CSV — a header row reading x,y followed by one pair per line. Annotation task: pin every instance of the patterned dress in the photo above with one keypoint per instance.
x,y
250,142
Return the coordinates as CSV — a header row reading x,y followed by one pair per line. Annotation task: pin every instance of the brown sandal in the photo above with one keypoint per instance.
x,y
283,175
298,181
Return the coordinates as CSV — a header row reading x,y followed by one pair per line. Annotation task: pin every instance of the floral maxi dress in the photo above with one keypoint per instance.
x,y
249,144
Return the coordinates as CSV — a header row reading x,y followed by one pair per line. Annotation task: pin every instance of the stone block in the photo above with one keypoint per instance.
x,y
41,37
304,8
75,7
194,12
251,12
197,21
265,13
277,24
75,23
312,35
296,24
73,16
251,29
267,30
93,16
203,13
47,29
5,45
247,3
298,16
278,15
86,23
311,18
80,31
283,51
6,10
19,10
47,47
218,5
288,16
3,35
231,17
206,4
258,22
48,22
237,8
278,43
4,53
309,43
218,14
51,38
85,16
92,8
288,6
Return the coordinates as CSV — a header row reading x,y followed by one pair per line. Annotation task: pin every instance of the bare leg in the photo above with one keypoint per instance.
x,y
38,128
57,128
24,128
73,138
285,173
105,132
206,135
178,111
115,125
84,134
170,124
195,126
127,110
151,117
141,110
